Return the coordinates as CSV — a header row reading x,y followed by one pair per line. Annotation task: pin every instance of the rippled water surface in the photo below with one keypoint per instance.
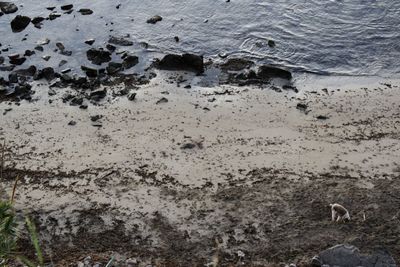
x,y
357,37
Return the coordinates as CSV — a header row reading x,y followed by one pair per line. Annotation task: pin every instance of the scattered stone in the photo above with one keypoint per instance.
x,y
53,16
188,86
120,41
65,70
17,61
37,20
19,23
67,7
111,48
188,146
29,72
322,117
60,46
85,11
29,53
39,48
98,56
236,64
176,38
271,43
268,72
131,96
46,73
162,100
130,61
1,60
113,68
46,57
72,123
302,106
62,63
96,117
187,62
90,72
51,8
43,42
98,94
154,19
8,7
90,41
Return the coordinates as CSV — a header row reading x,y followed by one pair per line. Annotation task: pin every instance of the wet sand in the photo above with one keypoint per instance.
x,y
245,166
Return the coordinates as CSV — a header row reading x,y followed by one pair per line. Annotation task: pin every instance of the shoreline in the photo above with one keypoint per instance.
x,y
248,166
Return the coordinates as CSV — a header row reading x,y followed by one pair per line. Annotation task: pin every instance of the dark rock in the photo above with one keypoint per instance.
x,y
301,106
162,100
130,61
188,146
176,38
90,72
90,41
96,117
349,256
236,64
120,41
188,86
65,70
19,23
76,101
271,43
29,53
67,7
21,90
51,8
60,46
188,62
268,72
13,56
113,68
322,117
7,68
37,20
1,60
39,48
72,123
98,94
131,96
46,73
18,61
85,11
98,56
111,48
154,19
46,57
53,16
83,106
13,78
30,72
62,63
66,53
8,7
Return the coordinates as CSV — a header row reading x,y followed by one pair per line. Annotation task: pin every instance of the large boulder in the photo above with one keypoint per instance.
x,y
19,23
349,256
187,62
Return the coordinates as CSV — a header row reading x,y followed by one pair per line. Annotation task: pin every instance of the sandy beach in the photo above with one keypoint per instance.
x,y
185,176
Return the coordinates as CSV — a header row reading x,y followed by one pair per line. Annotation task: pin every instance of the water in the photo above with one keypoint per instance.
x,y
357,37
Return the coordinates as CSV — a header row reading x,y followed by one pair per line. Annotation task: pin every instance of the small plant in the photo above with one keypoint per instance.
x,y
9,235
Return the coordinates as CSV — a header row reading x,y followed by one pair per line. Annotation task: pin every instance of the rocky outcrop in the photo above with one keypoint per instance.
x,y
186,62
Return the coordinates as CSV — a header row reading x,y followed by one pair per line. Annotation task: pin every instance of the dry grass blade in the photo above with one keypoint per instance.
x,y
2,159
14,189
